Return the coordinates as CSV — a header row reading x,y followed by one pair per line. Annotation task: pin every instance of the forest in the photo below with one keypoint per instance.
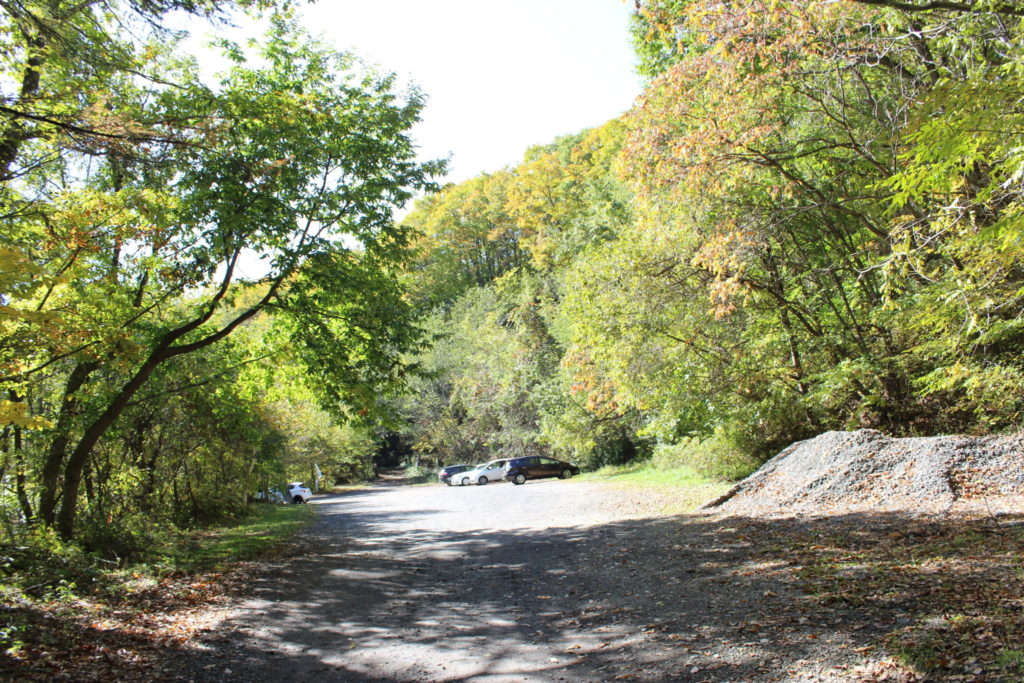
x,y
809,221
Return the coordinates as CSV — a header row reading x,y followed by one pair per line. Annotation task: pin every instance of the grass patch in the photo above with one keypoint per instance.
x,y
346,488
678,489
646,475
254,537
1012,660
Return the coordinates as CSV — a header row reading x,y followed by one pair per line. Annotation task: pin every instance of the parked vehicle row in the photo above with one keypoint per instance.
x,y
515,470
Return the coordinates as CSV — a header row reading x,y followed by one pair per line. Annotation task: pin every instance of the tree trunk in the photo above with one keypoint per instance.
x,y
19,477
80,456
70,408
14,134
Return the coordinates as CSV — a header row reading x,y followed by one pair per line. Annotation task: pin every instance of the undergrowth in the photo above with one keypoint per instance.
x,y
38,565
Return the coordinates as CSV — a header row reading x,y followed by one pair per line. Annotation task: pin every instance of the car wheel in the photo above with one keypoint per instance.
x,y
481,481
297,500
448,482
465,481
519,479
566,474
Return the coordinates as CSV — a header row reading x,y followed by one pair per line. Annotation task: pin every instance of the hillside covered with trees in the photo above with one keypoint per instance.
x,y
809,221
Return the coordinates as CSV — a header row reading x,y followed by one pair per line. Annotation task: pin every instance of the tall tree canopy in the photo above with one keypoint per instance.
x,y
810,220
137,199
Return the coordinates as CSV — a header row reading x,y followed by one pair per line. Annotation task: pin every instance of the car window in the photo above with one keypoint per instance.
x,y
549,461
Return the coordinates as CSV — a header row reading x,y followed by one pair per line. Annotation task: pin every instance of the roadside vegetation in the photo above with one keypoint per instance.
x,y
829,238
78,614
810,221
197,282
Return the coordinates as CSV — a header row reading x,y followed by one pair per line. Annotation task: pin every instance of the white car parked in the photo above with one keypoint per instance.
x,y
482,474
298,493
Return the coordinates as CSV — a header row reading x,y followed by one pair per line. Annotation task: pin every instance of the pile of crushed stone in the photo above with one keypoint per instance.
x,y
867,470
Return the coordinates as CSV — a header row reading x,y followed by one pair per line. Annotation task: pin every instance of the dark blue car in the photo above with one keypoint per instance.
x,y
445,475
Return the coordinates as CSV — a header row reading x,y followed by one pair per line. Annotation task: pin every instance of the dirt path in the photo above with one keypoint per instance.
x,y
554,580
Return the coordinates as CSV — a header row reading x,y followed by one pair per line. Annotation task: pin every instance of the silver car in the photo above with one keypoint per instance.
x,y
482,474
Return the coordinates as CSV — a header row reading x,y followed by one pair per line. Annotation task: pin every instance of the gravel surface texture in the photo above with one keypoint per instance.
x,y
866,470
551,581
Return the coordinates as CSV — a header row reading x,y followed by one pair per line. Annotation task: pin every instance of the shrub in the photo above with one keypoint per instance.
x,y
126,538
717,456
39,563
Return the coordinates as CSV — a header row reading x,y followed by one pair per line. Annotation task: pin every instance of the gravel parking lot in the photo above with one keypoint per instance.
x,y
553,580
425,583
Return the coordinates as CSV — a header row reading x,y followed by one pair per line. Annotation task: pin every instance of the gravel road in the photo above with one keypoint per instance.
x,y
554,580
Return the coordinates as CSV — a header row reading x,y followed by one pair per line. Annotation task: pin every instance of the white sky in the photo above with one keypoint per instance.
x,y
499,76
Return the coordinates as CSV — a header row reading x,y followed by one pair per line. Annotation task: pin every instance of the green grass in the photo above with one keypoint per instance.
x,y
258,534
680,489
646,475
1011,659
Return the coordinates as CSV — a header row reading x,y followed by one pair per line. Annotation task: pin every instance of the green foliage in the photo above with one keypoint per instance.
x,y
467,239
717,457
39,563
497,381
131,344
811,220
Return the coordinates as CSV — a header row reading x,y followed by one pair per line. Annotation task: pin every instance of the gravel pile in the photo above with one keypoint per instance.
x,y
866,470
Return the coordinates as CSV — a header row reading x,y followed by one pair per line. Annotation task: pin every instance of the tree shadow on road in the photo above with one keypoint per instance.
x,y
686,598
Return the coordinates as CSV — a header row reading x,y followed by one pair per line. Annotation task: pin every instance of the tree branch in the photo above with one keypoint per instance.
x,y
943,5
193,385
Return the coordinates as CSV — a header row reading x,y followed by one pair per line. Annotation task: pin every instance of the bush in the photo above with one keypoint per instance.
x,y
38,562
419,473
127,538
717,456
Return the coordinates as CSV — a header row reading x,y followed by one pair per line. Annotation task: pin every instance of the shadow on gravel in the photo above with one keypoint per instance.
x,y
682,598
